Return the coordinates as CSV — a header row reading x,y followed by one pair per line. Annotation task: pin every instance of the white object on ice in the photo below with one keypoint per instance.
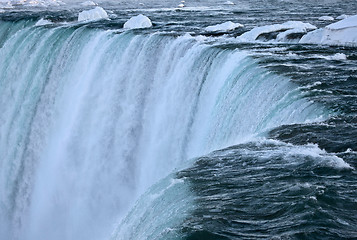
x,y
93,14
342,33
89,3
42,22
253,34
226,26
229,3
181,5
326,18
139,21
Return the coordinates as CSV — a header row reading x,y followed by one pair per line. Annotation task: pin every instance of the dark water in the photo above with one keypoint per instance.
x,y
295,181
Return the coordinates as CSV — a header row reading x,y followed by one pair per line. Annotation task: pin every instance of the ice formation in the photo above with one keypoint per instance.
x,y
326,18
139,21
93,14
253,34
343,32
226,26
229,3
89,3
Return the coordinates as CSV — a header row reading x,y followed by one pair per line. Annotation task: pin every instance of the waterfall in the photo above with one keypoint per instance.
x,y
91,118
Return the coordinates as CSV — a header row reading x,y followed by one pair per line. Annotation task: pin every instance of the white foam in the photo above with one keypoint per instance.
x,y
93,14
139,21
343,33
42,22
326,18
226,26
253,34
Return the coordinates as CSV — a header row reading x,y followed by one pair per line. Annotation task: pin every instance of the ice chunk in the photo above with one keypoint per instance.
x,y
93,14
343,16
342,33
326,18
253,34
139,21
226,26
89,3
181,5
229,3
42,22
284,36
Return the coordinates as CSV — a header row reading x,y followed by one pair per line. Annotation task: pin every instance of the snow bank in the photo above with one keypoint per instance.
x,y
139,21
42,22
93,14
226,26
284,36
253,34
326,18
342,33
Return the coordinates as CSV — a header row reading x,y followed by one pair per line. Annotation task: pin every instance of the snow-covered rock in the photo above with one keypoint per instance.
x,y
284,36
42,22
342,33
139,21
226,26
326,18
93,14
88,3
253,34
229,3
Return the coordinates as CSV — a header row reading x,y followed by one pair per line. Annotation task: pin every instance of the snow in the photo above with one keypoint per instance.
x,y
139,21
226,26
282,37
341,33
93,14
343,16
253,34
326,18
89,3
42,22
229,3
181,5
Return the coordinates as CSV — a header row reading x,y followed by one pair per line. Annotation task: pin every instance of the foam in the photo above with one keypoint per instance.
x,y
42,22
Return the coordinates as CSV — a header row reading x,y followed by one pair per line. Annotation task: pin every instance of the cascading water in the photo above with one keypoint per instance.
x,y
91,118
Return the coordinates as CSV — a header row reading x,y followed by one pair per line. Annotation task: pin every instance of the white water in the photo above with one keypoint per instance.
x,y
90,119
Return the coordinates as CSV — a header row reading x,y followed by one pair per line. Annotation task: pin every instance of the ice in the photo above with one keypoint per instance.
x,y
253,34
226,26
89,3
41,3
139,21
181,5
326,18
229,3
343,16
93,14
283,37
341,33
42,22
